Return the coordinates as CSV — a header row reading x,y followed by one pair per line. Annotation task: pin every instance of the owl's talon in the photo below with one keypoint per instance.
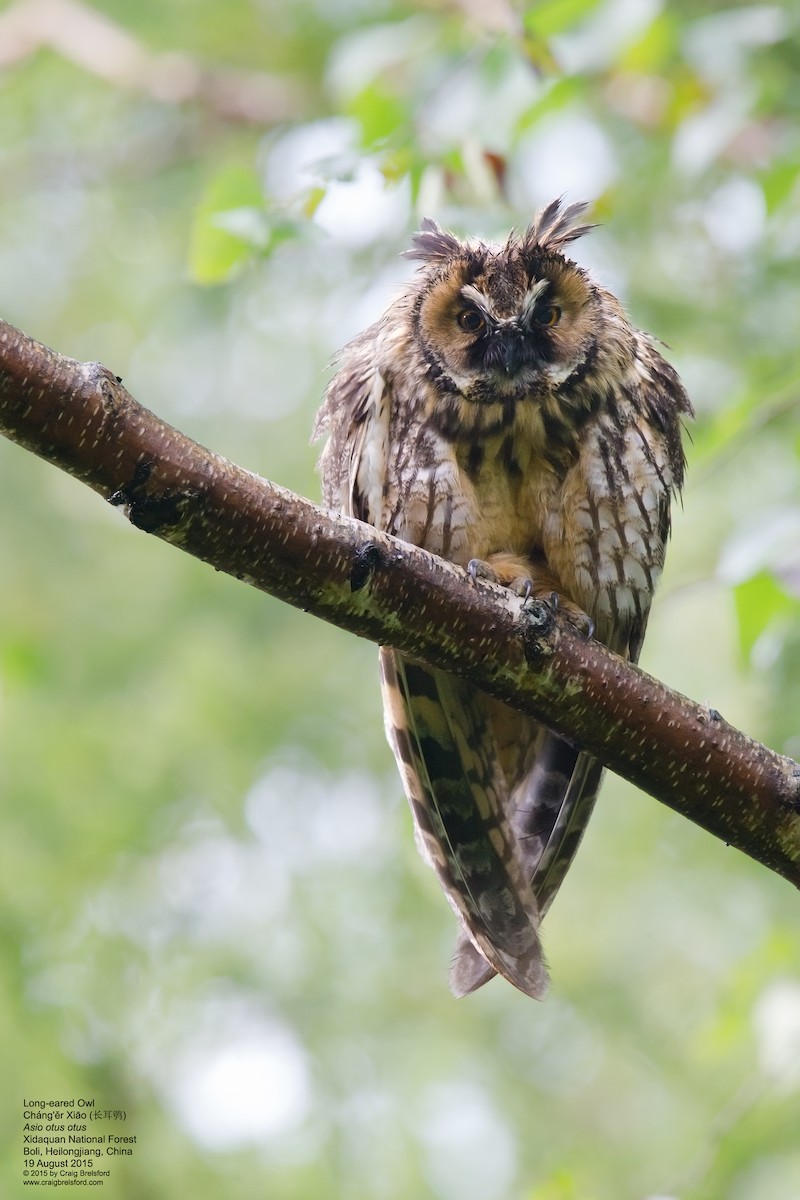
x,y
561,606
580,621
478,569
520,585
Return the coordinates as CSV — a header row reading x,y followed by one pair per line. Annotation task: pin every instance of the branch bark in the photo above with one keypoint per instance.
x,y
80,417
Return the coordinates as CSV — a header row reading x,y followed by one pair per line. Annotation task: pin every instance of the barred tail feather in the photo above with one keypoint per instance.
x,y
440,732
552,807
569,826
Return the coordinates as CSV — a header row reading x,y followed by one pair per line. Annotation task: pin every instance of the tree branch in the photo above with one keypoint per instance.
x,y
92,41
79,417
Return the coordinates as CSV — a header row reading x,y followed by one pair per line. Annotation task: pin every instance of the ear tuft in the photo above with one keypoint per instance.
x,y
434,244
554,227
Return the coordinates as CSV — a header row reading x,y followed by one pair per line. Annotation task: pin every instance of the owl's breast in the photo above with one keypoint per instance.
x,y
510,496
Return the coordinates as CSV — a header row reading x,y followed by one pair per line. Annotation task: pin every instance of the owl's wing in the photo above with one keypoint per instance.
x,y
437,725
355,414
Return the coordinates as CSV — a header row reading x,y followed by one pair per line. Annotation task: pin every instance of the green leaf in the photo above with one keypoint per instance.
x,y
22,661
563,92
313,200
778,183
379,113
225,227
759,602
550,17
654,48
561,1186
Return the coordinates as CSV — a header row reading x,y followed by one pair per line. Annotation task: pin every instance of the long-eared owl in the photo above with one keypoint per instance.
x,y
504,413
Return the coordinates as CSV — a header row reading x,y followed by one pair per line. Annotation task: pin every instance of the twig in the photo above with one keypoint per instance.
x,y
95,43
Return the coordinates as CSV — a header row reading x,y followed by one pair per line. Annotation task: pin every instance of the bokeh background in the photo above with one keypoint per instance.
x,y
212,911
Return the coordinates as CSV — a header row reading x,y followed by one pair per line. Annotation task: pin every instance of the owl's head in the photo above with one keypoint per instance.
x,y
512,317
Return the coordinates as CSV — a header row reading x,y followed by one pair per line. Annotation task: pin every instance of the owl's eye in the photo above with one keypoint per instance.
x,y
549,314
470,320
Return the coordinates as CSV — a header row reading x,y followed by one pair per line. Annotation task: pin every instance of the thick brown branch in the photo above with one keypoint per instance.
x,y
78,416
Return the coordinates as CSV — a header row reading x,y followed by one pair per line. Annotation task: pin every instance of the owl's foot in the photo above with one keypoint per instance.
x,y
531,581
509,572
578,619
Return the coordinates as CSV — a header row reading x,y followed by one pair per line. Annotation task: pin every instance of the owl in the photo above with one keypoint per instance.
x,y
505,414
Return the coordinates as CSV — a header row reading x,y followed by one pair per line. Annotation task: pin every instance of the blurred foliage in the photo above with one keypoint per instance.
x,y
213,914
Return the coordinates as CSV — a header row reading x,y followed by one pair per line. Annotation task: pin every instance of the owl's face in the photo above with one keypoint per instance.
x,y
502,320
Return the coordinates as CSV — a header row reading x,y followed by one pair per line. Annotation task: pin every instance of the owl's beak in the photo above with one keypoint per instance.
x,y
509,350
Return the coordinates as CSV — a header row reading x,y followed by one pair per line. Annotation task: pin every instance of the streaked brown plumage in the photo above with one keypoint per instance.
x,y
504,413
